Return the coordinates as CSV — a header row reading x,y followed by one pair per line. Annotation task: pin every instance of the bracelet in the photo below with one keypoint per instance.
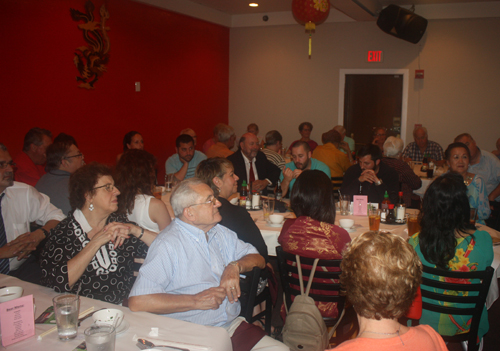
x,y
235,263
142,233
44,232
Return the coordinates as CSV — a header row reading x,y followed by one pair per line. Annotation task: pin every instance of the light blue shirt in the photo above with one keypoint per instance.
x,y
181,261
315,164
174,164
489,169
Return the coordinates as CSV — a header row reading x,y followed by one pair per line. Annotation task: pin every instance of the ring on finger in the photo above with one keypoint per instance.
x,y
232,288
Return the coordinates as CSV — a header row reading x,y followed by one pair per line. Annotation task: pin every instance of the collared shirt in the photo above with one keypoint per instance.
x,y
315,164
27,172
55,184
488,168
351,143
433,149
336,160
247,167
21,205
181,261
174,164
274,158
219,150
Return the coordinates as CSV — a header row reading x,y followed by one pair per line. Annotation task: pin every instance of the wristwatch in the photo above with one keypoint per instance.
x,y
379,182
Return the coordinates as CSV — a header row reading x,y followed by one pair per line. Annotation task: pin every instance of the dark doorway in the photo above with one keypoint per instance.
x,y
370,101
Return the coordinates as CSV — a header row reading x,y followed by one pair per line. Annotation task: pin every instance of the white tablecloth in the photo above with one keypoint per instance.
x,y
271,234
213,338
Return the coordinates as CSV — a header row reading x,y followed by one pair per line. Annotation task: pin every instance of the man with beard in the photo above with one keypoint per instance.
x,y
371,177
301,155
252,166
183,164
21,204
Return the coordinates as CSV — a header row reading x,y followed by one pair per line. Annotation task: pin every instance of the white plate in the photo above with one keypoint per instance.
x,y
123,327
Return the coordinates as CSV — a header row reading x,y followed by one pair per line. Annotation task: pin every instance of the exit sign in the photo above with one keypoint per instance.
x,y
375,56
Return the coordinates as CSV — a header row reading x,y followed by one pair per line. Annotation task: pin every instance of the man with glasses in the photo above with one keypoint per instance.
x,y
21,204
63,159
31,162
192,269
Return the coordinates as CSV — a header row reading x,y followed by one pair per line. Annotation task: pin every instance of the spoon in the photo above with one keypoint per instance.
x,y
144,344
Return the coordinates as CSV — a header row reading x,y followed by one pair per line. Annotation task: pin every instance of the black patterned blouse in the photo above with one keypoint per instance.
x,y
109,275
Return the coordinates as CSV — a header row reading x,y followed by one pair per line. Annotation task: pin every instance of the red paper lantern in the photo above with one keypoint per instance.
x,y
310,13
314,11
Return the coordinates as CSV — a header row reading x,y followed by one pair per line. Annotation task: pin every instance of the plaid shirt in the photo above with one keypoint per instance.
x,y
433,149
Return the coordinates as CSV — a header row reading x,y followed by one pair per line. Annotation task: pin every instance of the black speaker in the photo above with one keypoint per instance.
x,y
402,23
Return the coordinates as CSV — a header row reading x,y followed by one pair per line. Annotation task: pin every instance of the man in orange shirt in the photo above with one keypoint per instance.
x,y
329,153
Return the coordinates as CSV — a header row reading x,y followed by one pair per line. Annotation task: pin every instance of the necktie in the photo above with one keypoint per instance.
x,y
251,175
4,263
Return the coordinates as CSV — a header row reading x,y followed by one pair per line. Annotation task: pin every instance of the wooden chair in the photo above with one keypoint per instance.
x,y
291,286
336,183
481,288
249,299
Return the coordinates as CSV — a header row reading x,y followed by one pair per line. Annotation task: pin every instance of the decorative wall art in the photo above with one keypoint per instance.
x,y
91,61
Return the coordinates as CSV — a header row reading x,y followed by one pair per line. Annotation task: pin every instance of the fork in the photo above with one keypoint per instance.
x,y
144,344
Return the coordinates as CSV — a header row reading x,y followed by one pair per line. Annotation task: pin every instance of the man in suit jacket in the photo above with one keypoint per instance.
x,y
250,159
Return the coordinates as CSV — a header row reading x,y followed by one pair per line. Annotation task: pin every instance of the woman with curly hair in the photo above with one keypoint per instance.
x,y
131,141
135,177
381,274
448,241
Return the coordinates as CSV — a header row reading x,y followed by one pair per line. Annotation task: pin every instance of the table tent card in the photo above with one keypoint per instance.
x,y
359,205
17,320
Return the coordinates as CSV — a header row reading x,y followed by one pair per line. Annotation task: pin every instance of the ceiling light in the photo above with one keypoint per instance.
x,y
253,4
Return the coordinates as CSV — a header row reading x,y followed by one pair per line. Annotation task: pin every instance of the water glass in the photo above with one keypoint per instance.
x,y
66,309
100,338
169,182
374,219
268,208
345,202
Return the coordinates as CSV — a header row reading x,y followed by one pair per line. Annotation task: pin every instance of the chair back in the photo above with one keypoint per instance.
x,y
289,277
249,298
479,290
336,183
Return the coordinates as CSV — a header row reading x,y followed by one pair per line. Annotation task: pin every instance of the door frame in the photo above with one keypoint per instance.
x,y
404,102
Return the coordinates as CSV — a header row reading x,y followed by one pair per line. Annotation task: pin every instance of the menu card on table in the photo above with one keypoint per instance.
x,y
17,320
359,205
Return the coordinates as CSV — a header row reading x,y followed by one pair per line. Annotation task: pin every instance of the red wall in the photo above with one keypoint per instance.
x,y
182,64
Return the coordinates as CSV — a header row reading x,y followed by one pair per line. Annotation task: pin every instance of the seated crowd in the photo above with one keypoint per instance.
x,y
77,227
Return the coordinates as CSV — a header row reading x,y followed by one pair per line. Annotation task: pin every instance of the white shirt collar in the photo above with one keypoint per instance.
x,y
80,218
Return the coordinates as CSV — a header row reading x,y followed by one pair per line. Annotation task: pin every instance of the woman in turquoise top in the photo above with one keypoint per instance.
x,y
448,241
457,156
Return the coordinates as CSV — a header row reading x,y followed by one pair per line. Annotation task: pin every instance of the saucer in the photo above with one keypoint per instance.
x,y
123,327
349,230
275,225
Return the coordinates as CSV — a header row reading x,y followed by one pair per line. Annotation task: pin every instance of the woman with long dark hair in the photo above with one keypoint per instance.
x,y
313,233
131,140
448,241
135,177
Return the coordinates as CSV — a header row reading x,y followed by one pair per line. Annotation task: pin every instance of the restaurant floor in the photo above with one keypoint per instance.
x,y
491,339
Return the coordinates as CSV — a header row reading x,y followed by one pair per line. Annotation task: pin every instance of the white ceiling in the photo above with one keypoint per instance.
x,y
237,13
240,7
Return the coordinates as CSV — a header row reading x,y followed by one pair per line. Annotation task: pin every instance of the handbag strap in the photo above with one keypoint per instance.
x,y
311,276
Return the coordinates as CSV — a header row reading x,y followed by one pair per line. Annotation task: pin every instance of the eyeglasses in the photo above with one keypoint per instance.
x,y
109,187
79,155
5,164
213,201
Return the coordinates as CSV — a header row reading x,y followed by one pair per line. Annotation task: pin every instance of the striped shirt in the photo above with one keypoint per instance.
x,y
181,261
274,158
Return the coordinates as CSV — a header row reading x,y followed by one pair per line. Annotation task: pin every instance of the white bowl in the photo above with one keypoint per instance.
x,y
108,317
10,293
276,218
346,223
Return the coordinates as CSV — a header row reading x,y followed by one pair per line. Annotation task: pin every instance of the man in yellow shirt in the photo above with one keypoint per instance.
x,y
329,153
